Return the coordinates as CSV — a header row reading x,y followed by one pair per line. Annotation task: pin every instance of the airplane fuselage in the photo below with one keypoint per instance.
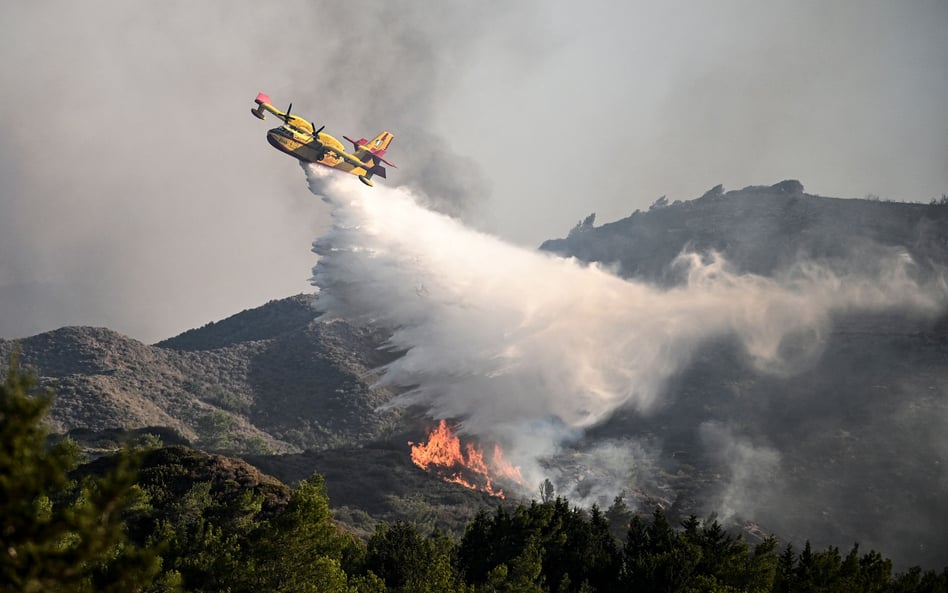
x,y
301,139
300,145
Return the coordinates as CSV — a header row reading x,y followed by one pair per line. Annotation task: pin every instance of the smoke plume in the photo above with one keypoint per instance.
x,y
530,350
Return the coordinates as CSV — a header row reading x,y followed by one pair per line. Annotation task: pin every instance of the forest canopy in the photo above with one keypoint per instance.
x,y
163,519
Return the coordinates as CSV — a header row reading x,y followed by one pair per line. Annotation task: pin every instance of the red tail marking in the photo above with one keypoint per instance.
x,y
376,152
261,99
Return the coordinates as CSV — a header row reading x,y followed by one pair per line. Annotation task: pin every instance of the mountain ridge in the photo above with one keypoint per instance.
x,y
793,225
223,390
855,433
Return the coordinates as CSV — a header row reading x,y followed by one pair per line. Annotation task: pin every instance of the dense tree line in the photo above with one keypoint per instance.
x,y
151,521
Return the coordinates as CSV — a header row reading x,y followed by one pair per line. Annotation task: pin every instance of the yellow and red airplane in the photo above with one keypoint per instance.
x,y
300,138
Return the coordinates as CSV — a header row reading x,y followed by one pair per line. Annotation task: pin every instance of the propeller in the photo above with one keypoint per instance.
x,y
286,116
315,131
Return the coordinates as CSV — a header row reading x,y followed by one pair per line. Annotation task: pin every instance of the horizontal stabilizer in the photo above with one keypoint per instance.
x,y
386,162
355,143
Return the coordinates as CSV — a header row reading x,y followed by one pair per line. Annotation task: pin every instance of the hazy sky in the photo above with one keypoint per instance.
x,y
137,192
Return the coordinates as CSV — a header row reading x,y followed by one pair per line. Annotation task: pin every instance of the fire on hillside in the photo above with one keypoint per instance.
x,y
443,455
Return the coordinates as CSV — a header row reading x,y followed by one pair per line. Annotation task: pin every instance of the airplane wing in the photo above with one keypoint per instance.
x,y
264,105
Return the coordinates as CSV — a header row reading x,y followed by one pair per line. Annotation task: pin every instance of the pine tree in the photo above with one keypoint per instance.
x,y
410,563
784,579
57,534
657,558
525,574
398,554
301,549
618,515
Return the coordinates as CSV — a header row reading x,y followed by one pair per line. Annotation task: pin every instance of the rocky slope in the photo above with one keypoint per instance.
x,y
761,230
272,379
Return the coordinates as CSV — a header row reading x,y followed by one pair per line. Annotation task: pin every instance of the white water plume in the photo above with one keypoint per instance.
x,y
529,349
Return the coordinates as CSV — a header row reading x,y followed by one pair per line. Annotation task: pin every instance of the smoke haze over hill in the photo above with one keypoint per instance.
x,y
531,350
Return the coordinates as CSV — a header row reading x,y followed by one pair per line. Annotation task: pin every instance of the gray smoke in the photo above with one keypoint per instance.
x,y
531,351
130,168
137,192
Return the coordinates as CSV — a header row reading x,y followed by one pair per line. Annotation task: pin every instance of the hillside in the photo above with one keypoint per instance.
x,y
761,230
271,379
844,446
378,482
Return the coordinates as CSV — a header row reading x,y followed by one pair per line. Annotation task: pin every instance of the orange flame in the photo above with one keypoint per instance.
x,y
503,467
443,455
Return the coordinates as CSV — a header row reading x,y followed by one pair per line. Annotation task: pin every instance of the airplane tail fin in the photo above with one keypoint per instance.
x,y
374,149
380,143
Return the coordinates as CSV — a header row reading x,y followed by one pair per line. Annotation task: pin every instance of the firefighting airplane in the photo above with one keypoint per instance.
x,y
300,138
